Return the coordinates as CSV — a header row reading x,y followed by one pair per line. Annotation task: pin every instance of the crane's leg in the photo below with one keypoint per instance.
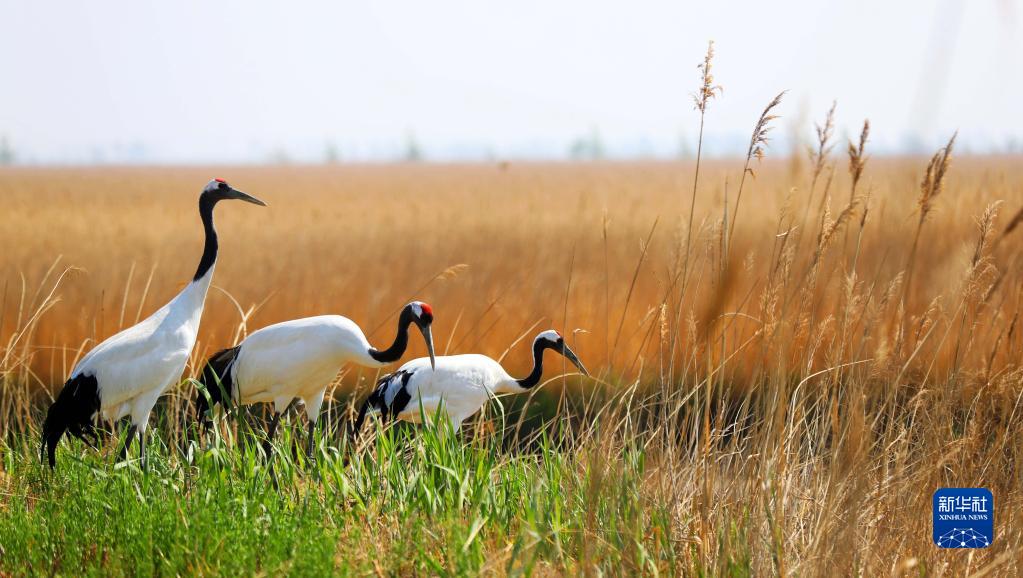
x,y
312,412
312,430
127,442
142,445
268,444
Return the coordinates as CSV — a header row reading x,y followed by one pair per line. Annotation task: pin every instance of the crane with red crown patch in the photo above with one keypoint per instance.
x,y
298,360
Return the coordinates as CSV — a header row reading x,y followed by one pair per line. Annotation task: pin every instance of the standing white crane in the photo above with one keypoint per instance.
x,y
299,359
125,374
458,386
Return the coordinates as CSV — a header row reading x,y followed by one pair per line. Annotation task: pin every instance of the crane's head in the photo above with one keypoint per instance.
x,y
422,315
219,190
551,339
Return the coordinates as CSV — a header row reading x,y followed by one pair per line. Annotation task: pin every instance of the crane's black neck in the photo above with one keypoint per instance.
x,y
533,378
397,349
209,250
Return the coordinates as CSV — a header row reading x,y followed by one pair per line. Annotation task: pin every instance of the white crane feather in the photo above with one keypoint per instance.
x,y
126,373
458,387
298,359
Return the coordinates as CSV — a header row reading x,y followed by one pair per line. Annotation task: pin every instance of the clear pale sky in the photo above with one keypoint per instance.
x,y
219,81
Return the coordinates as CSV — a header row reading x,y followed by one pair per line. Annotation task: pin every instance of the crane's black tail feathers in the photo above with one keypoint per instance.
x,y
219,384
370,401
378,399
374,401
72,413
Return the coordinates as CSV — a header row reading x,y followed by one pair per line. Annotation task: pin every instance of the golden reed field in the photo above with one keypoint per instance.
x,y
504,249
804,365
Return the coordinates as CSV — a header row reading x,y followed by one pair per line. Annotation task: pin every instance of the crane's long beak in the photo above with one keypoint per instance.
x,y
575,359
428,336
247,197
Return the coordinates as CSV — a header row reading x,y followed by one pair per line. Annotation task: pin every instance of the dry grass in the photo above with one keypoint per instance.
x,y
801,386
520,244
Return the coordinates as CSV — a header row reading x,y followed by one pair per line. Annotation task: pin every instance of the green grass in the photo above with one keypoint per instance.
x,y
412,500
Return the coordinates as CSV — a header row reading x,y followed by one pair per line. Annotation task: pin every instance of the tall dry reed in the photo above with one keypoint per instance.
x,y
795,406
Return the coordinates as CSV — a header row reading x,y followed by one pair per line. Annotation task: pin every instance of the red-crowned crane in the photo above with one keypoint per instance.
x,y
125,374
299,359
458,386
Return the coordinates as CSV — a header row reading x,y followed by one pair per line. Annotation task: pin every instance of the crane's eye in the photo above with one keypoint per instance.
x,y
222,185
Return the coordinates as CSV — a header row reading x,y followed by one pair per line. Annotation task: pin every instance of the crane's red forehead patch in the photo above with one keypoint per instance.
x,y
220,181
426,308
558,332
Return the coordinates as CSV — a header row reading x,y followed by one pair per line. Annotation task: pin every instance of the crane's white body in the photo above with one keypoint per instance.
x,y
137,365
128,372
458,387
297,359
